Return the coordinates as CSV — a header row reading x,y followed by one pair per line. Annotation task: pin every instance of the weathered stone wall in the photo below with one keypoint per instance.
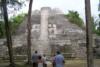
x,y
65,34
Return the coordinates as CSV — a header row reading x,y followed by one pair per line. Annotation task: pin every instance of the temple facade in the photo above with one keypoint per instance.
x,y
51,32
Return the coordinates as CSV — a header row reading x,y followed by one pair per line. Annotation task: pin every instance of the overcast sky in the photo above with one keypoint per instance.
x,y
65,5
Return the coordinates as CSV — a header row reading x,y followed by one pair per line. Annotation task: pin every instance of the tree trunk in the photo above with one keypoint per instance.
x,y
29,32
8,33
89,38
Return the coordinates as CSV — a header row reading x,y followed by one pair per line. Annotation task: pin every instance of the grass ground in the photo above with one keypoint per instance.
x,y
69,63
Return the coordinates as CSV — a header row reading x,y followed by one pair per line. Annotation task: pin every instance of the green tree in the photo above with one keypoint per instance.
x,y
96,24
3,5
98,29
8,34
16,21
73,17
93,25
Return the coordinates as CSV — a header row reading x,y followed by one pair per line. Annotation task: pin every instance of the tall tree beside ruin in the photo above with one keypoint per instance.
x,y
29,32
89,34
8,33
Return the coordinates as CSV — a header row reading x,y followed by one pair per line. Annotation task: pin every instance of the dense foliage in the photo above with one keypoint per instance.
x,y
95,26
98,23
98,29
14,22
73,17
2,29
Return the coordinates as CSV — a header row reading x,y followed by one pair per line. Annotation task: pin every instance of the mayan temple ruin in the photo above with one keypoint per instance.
x,y
51,32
